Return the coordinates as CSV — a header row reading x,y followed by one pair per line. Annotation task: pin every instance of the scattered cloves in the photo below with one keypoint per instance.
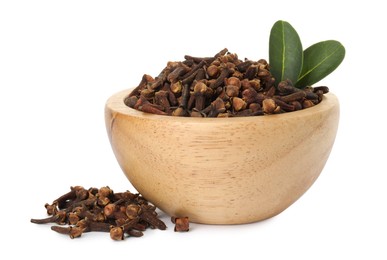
x,y
101,210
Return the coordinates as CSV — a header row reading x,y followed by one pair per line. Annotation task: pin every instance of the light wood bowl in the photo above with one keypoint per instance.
x,y
222,170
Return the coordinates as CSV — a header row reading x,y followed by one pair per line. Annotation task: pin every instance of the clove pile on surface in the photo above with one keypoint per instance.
x,y
86,210
219,86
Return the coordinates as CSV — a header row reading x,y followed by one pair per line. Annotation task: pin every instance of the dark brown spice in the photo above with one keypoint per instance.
x,y
213,71
251,72
322,88
73,232
153,220
243,66
135,233
144,81
59,218
269,106
151,109
101,210
199,91
299,95
181,223
189,88
185,96
117,233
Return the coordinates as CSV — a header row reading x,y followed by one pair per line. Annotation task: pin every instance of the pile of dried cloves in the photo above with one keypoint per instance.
x,y
219,86
85,210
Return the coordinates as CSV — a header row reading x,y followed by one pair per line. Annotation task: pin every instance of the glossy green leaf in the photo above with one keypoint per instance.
x,y
320,59
285,52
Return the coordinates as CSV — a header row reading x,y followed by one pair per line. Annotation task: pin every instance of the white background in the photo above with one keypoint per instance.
x,y
61,60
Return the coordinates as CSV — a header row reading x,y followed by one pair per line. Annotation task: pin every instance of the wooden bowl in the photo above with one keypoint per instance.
x,y
222,170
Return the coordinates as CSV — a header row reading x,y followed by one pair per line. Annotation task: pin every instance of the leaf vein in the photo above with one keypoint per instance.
x,y
318,64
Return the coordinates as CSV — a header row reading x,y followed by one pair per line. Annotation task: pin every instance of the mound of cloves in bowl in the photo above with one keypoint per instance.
x,y
86,210
219,86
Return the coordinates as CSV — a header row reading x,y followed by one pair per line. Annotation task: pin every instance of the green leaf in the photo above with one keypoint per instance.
x,y
320,59
285,52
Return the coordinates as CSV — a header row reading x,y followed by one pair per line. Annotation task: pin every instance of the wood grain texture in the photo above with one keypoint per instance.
x,y
222,170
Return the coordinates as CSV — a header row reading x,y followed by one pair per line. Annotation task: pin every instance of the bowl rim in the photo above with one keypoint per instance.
x,y
116,103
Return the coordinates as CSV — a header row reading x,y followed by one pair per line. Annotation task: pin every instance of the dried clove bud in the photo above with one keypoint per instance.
x,y
117,233
294,96
251,72
250,95
178,72
132,211
59,218
297,105
243,66
52,209
131,101
233,81
220,80
151,109
286,86
135,233
105,191
148,94
213,71
238,104
263,73
199,90
73,218
181,224
144,81
176,87
268,106
179,112
148,217
161,98
232,91
285,106
255,84
73,232
254,107
324,89
307,103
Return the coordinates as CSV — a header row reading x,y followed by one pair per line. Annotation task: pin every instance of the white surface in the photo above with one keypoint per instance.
x,y
53,54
